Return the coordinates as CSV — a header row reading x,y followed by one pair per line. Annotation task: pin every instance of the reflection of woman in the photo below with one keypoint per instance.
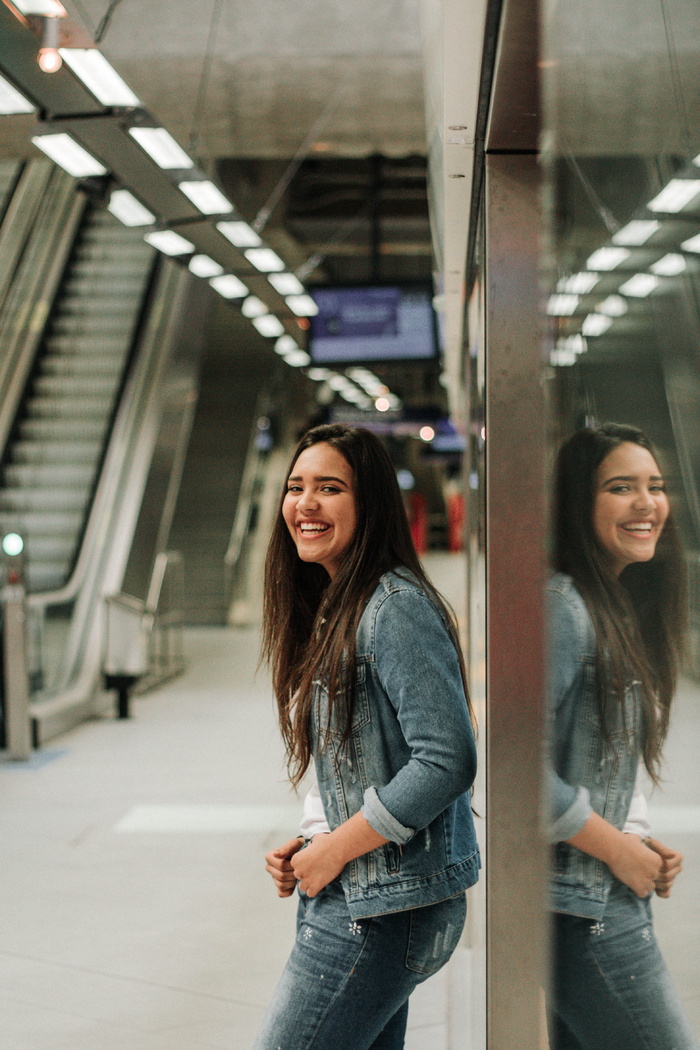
x,y
369,684
616,613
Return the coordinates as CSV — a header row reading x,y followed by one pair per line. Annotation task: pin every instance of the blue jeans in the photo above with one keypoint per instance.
x,y
346,984
611,989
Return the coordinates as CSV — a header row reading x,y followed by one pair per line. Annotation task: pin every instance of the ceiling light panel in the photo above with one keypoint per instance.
x,y
562,305
12,101
595,324
240,234
130,211
162,148
169,242
675,196
639,286
286,284
203,266
268,325
264,259
669,266
298,358
98,76
578,283
229,286
636,232
613,306
302,305
254,307
692,244
65,151
207,197
48,8
607,258
286,345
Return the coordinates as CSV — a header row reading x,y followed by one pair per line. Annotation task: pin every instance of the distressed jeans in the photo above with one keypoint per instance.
x,y
611,989
346,984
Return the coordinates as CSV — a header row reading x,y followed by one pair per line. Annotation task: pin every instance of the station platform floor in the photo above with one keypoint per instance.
x,y
136,912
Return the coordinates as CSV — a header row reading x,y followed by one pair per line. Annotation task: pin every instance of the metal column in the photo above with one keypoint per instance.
x,y
515,422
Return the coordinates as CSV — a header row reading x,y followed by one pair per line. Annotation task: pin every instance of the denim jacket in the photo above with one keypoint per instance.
x,y
410,760
585,772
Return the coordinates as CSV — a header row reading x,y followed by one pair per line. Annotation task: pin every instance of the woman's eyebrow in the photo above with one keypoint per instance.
x,y
631,477
318,477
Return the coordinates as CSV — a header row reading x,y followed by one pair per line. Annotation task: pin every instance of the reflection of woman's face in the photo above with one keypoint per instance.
x,y
630,505
319,508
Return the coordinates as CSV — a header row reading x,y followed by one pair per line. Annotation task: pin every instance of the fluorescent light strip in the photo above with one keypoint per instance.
x,y
203,266
130,211
578,283
98,76
12,101
229,286
636,232
207,197
48,8
162,148
675,196
302,305
254,307
639,286
286,284
613,306
669,265
607,258
595,324
264,259
298,358
240,234
268,325
692,244
286,345
169,242
562,305
65,151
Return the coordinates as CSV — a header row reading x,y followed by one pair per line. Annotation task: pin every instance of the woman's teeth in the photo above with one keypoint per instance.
x,y
311,529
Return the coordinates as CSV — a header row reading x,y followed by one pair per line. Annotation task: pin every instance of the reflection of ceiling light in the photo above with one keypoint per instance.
x,y
286,345
161,147
636,232
264,259
562,305
169,242
49,60
286,283
66,152
48,8
298,359
206,196
427,433
203,266
253,307
613,306
675,196
124,206
91,66
240,234
302,305
11,101
562,357
595,324
578,283
229,286
268,325
640,285
317,374
692,244
576,344
669,266
382,404
607,258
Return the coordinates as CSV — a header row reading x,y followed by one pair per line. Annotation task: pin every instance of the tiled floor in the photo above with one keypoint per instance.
x,y
135,911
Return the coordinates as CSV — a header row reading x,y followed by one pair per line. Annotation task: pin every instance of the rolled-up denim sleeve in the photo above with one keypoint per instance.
x,y
418,668
569,805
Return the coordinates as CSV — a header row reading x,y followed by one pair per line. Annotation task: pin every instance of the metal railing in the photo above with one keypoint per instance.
x,y
693,654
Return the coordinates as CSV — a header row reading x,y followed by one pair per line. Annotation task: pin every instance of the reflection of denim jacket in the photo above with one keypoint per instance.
x,y
411,758
586,772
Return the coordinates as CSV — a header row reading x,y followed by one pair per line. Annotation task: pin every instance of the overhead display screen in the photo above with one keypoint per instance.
x,y
367,323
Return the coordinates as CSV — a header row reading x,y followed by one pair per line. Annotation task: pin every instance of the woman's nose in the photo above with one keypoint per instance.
x,y
643,500
307,500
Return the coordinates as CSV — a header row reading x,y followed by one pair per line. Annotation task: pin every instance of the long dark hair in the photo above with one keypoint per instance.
x,y
310,620
639,617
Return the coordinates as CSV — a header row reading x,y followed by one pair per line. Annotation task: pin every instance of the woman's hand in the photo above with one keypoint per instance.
x,y
279,864
628,858
317,865
671,865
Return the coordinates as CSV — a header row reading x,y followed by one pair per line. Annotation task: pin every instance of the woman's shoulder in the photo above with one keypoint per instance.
x,y
398,591
567,613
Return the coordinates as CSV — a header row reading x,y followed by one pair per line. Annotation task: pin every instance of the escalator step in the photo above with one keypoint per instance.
x,y
75,408
41,522
19,500
77,365
27,476
83,386
56,452
62,429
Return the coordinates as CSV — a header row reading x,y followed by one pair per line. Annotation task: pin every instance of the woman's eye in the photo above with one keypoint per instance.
x,y
330,488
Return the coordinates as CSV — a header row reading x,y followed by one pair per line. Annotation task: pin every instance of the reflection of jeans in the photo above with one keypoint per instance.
x,y
346,985
611,988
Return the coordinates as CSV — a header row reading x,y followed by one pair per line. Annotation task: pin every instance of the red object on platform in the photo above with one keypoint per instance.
x,y
418,520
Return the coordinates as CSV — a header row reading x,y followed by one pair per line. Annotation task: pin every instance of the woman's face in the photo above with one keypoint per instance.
x,y
319,508
630,505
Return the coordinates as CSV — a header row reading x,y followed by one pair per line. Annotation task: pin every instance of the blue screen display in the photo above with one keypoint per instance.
x,y
372,323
